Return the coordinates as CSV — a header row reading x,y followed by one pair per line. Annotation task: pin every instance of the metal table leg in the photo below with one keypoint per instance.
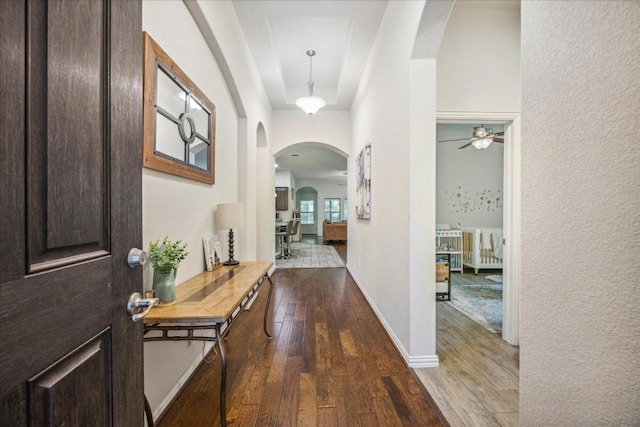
x,y
266,308
223,376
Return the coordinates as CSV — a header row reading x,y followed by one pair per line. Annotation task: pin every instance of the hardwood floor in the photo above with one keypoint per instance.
x,y
330,363
477,381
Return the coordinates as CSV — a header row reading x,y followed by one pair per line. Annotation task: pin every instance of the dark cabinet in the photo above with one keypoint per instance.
x,y
282,198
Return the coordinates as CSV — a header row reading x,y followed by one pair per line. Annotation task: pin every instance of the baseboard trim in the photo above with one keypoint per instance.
x,y
173,393
424,361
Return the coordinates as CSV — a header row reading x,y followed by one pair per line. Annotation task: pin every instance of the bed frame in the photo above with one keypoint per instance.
x,y
472,253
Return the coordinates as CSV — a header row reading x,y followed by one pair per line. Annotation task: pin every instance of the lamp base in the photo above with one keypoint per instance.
x,y
231,262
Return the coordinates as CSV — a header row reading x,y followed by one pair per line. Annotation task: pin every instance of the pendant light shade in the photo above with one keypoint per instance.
x,y
310,104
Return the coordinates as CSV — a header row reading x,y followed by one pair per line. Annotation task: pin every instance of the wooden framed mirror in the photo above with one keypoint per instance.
x,y
179,120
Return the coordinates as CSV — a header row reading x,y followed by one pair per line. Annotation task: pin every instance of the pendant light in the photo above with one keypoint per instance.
x,y
310,104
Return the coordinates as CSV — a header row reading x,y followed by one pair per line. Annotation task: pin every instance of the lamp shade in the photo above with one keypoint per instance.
x,y
310,104
229,216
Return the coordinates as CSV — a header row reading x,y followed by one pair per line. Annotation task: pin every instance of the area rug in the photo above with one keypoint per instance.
x,y
309,255
479,298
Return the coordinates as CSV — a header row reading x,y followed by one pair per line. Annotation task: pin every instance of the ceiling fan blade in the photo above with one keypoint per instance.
x,y
450,140
465,145
498,140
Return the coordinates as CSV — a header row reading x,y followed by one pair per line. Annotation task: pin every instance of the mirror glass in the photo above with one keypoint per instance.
x,y
201,118
168,141
198,153
170,96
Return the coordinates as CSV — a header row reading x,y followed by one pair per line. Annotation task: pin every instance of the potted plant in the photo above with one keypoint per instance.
x,y
165,256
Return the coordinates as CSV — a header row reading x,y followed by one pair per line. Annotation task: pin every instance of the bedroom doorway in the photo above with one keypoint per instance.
x,y
482,198
469,199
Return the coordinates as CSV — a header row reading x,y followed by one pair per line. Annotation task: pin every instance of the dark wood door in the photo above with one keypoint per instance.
x,y
70,203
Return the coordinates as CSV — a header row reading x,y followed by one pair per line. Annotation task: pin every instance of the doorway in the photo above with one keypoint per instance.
x,y
469,200
510,209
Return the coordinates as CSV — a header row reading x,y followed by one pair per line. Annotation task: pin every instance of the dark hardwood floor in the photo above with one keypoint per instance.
x,y
330,363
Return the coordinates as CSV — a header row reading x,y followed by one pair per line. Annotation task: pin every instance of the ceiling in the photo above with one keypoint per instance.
x,y
279,34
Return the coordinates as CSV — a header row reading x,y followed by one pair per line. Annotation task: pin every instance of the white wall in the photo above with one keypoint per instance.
x,y
231,48
468,181
328,127
184,209
580,347
380,253
478,77
479,61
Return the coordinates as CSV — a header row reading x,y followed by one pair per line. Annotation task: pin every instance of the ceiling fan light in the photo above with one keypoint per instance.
x,y
310,104
482,143
480,132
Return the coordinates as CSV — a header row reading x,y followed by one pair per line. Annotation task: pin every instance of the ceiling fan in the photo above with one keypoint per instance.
x,y
481,138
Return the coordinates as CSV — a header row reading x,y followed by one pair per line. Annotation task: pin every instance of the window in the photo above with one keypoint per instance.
x,y
345,210
307,212
332,210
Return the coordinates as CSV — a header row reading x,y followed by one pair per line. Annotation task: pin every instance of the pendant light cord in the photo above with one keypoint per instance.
x,y
310,53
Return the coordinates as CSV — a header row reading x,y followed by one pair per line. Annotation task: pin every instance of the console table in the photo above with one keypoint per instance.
x,y
210,301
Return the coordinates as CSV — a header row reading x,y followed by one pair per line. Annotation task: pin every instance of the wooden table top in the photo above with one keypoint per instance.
x,y
210,297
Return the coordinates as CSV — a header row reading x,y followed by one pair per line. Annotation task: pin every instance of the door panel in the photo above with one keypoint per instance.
x,y
70,170
68,141
83,377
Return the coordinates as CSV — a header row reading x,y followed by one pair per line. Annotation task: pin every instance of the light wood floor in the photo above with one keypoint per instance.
x,y
330,363
477,381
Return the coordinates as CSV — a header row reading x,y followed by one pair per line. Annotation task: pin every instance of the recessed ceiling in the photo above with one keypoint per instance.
x,y
280,33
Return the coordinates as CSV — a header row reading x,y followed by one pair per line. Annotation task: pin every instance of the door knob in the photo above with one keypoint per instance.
x,y
136,257
138,307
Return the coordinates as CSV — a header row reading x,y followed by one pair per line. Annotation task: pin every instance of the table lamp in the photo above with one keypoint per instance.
x,y
228,217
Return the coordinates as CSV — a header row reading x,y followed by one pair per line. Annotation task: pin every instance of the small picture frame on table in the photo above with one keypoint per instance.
x,y
212,249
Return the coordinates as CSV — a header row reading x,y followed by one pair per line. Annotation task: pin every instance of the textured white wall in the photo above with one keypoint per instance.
x,y
468,181
580,345
479,61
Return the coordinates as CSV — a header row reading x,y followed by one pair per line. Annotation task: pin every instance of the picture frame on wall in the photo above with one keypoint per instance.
x,y
363,184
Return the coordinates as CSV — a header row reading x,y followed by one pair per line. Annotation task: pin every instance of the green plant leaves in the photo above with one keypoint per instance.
x,y
165,255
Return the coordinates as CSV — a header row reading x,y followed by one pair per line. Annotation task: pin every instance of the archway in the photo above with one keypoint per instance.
x,y
265,239
317,166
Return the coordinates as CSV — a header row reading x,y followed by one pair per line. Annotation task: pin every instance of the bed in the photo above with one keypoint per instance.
x,y
482,248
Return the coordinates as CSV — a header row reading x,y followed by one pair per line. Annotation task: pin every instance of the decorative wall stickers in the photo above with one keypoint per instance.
x,y
460,201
